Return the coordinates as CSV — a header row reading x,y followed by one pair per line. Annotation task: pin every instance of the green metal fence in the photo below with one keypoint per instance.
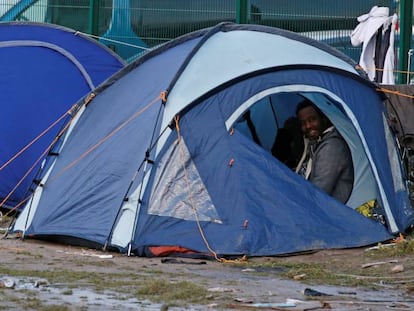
x,y
146,23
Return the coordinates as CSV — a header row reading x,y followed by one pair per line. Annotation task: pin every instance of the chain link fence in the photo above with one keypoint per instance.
x,y
128,26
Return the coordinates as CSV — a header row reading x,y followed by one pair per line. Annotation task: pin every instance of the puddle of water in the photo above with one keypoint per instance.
x,y
84,297
263,288
271,288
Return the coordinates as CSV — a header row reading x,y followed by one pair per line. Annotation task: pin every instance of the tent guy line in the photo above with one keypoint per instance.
x,y
36,138
40,158
104,139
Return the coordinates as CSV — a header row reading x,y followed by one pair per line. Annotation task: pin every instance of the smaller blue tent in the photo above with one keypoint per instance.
x,y
162,157
45,70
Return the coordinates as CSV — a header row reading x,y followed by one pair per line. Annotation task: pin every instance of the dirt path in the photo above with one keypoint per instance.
x,y
57,277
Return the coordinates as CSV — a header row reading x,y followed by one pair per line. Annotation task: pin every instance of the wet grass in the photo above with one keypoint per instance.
x,y
159,290
149,282
395,250
339,273
150,286
311,273
30,302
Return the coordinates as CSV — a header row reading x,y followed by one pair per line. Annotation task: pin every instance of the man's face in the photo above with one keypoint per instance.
x,y
311,122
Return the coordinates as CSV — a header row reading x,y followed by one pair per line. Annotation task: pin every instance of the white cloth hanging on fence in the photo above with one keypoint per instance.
x,y
376,31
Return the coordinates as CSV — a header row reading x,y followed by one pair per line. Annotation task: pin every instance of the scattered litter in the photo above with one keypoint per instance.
x,y
264,305
41,282
212,305
221,289
243,300
7,283
176,261
380,246
309,305
379,304
406,281
399,239
377,263
346,293
248,270
296,301
87,254
273,305
290,303
399,306
311,292
384,284
299,276
397,268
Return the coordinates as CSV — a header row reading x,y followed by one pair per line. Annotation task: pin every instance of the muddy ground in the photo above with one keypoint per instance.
x,y
36,275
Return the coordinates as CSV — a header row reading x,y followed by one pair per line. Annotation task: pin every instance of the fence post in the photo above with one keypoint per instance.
x,y
406,17
94,17
242,14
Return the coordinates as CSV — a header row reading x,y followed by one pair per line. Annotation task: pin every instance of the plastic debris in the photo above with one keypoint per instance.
x,y
267,305
7,283
397,268
273,305
244,300
311,292
249,270
87,254
342,292
212,305
41,282
299,276
379,246
221,289
399,306
377,263
290,303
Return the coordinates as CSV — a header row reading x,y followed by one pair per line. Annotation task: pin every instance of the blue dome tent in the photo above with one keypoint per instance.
x,y
45,70
161,156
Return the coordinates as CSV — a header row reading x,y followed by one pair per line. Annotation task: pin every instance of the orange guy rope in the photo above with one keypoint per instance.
x,y
395,92
35,163
193,205
101,141
36,139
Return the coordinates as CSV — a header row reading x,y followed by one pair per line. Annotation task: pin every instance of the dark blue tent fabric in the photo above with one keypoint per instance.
x,y
148,170
257,188
45,69
363,101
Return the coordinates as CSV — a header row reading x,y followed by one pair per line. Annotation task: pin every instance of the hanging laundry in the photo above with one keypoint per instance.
x,y
376,31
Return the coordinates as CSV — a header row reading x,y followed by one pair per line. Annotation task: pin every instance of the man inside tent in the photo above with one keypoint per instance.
x,y
326,160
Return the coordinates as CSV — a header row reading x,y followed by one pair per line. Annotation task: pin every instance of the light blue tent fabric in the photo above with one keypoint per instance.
x,y
45,69
158,159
